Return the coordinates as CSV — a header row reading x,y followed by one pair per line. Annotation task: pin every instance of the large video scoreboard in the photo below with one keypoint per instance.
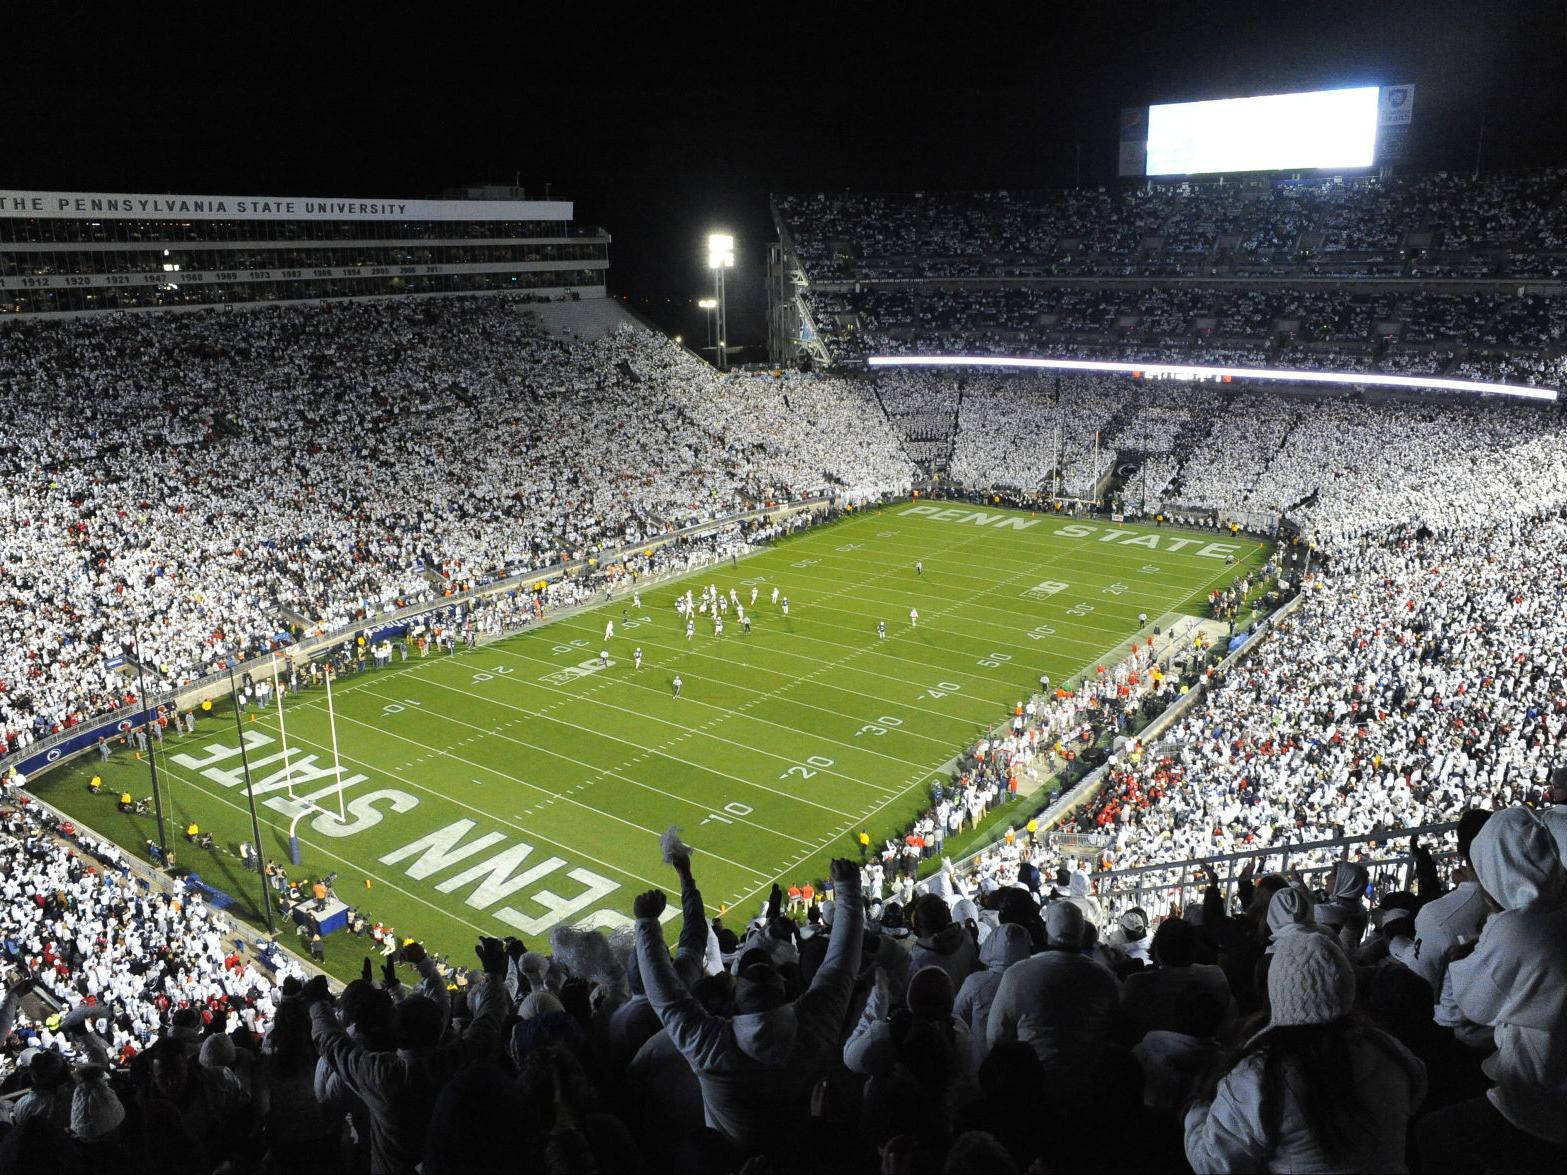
x,y
1348,129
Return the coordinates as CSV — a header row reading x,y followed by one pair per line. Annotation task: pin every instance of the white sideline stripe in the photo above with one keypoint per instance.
x,y
1371,379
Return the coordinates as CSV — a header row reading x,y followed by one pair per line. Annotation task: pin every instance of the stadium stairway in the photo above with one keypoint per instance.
x,y
591,318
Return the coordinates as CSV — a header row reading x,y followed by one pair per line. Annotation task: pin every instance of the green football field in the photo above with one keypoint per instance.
x,y
510,788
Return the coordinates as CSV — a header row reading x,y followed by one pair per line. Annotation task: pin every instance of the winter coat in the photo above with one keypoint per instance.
x,y
1151,998
757,1069
1063,1005
400,1088
665,1092
951,948
1172,1064
874,1051
1006,945
1228,1134
1439,925
1516,979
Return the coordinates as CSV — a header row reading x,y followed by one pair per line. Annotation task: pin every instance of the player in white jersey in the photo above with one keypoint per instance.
x,y
718,626
609,629
914,617
734,597
753,595
636,599
638,657
677,683
881,629
775,595
740,613
919,567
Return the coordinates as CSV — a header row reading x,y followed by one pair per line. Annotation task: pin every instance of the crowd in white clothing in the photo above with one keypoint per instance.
x,y
73,915
205,483
1420,225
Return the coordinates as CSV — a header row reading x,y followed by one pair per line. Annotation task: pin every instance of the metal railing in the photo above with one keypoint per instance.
x,y
1390,869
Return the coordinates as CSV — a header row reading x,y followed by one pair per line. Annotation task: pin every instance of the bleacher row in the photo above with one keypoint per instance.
x,y
1422,226
995,1018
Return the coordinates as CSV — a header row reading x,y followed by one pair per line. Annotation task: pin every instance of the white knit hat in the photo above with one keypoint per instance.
x,y
1310,981
95,1108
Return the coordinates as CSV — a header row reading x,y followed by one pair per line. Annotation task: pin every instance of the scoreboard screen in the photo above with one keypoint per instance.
x,y
1327,129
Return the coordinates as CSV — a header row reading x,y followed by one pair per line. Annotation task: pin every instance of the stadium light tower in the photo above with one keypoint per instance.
x,y
709,305
721,256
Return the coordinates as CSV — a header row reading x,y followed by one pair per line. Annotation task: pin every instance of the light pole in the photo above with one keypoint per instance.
x,y
721,256
710,305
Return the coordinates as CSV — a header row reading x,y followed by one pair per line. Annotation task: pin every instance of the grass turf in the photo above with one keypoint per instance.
x,y
506,789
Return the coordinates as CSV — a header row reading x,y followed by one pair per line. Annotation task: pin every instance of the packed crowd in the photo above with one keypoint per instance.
x,y
73,916
1291,1030
1440,225
206,525
981,1019
1500,336
1340,468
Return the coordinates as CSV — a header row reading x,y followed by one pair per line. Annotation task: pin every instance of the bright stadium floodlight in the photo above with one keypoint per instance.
x,y
709,305
1191,371
720,256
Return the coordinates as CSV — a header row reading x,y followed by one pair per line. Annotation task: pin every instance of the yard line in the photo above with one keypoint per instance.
x,y
862,650
941,580
682,653
662,754
615,772
656,833
1061,600
1017,539
863,821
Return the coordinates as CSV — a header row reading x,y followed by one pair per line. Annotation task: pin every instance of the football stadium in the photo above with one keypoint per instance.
x,y
1070,673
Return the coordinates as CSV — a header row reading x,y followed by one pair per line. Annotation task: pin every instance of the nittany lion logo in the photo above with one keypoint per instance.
x,y
1398,97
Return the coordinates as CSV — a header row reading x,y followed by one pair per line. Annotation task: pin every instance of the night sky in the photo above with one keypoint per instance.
x,y
662,122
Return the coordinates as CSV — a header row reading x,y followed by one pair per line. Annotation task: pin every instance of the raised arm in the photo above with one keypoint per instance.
x,y
692,943
825,1004
691,1027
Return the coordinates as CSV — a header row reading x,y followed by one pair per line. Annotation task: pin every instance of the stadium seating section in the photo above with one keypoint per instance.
x,y
205,482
